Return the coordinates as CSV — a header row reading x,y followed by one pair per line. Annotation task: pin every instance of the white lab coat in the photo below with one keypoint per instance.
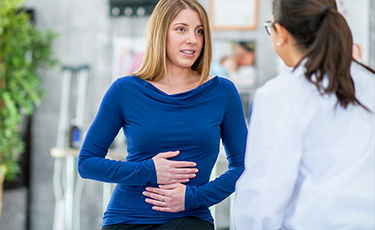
x,y
309,164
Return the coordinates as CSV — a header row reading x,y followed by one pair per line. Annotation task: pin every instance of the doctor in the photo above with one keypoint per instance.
x,y
310,160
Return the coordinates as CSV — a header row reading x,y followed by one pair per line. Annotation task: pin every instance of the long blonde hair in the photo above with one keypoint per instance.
x,y
154,62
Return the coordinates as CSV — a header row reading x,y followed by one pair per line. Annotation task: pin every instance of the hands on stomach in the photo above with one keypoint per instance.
x,y
170,195
170,172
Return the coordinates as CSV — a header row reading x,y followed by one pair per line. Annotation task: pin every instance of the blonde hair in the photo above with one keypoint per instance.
x,y
154,62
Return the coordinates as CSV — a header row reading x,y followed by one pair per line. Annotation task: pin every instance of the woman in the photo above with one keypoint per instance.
x,y
173,115
310,157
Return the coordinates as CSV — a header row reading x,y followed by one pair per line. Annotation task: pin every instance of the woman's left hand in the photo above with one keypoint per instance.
x,y
167,198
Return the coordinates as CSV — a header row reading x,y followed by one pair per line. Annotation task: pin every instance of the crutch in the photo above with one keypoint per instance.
x,y
67,195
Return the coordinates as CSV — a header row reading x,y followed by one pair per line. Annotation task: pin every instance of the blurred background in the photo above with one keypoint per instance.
x,y
89,44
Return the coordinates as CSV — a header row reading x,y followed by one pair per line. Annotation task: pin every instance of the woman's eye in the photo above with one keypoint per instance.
x,y
199,31
180,29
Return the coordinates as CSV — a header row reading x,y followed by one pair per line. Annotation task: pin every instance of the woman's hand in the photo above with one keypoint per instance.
x,y
171,172
167,198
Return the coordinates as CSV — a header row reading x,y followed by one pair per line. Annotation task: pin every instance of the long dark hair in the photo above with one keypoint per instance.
x,y
325,37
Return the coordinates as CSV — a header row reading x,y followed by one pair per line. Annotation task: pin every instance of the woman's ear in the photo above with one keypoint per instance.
x,y
282,35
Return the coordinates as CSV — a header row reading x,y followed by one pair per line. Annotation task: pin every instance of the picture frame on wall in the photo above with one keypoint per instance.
x,y
236,61
243,14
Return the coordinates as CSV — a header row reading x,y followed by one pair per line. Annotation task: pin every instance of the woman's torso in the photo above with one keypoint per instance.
x,y
156,122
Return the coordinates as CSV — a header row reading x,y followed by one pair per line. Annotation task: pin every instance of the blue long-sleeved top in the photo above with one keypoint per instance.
x,y
192,122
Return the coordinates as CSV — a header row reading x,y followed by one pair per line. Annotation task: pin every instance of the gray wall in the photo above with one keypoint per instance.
x,y
83,27
86,32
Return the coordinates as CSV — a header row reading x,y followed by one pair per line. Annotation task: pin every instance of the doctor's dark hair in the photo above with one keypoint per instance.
x,y
323,34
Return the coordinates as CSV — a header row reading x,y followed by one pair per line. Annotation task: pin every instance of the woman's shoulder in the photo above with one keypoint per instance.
x,y
290,90
288,83
224,82
279,84
126,79
122,85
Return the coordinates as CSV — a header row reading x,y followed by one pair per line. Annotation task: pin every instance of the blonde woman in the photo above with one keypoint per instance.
x,y
173,115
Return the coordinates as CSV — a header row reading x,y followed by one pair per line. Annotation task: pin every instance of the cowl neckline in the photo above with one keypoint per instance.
x,y
158,94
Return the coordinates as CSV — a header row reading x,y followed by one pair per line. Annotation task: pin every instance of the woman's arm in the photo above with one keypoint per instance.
x,y
233,134
107,123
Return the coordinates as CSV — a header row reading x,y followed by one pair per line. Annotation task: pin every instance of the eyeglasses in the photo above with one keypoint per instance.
x,y
268,25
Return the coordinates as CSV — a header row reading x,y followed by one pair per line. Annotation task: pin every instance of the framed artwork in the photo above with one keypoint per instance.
x,y
234,15
235,60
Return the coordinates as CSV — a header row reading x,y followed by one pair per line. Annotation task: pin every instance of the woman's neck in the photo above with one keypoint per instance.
x,y
176,76
296,56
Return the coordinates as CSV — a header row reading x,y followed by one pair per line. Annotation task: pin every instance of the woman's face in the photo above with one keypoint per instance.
x,y
184,39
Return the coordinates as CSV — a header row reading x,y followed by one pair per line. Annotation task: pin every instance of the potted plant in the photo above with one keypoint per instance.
x,y
23,49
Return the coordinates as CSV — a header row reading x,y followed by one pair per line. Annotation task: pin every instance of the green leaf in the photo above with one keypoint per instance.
x,y
23,50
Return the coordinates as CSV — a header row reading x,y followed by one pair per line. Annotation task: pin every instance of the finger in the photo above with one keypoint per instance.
x,y
155,202
183,164
186,170
162,209
182,181
168,186
184,176
154,196
168,154
156,190
176,181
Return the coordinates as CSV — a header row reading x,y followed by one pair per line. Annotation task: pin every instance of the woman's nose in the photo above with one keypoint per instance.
x,y
192,38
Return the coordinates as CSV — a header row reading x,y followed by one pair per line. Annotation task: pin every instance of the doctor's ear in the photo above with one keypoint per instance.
x,y
282,34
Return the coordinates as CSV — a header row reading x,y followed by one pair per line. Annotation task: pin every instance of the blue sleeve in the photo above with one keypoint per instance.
x,y
106,125
233,134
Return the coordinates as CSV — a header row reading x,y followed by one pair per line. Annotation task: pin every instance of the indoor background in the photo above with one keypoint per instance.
x,y
90,34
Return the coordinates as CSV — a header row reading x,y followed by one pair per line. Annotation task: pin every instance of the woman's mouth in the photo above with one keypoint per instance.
x,y
188,53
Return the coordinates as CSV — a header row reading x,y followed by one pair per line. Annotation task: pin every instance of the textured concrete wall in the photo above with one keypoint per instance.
x,y
14,209
84,39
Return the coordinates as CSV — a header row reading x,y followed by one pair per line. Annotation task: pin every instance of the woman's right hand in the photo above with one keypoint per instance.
x,y
171,172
